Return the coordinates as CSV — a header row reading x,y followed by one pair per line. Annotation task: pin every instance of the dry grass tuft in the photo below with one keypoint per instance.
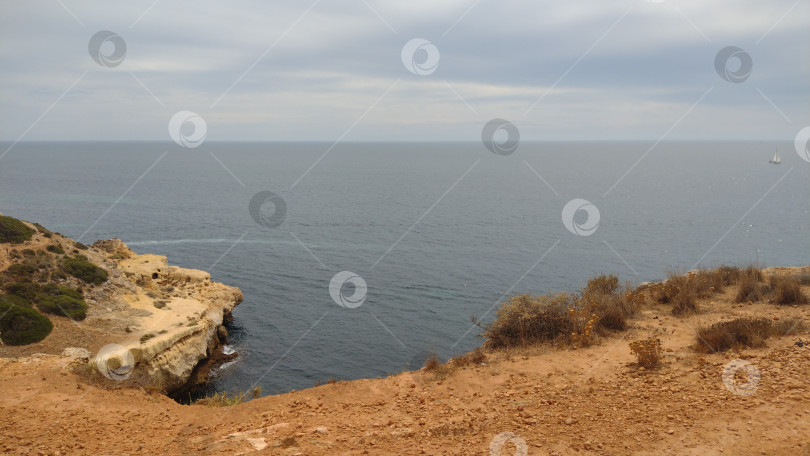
x,y
751,289
288,442
432,363
648,352
474,358
223,399
684,290
787,290
685,302
743,333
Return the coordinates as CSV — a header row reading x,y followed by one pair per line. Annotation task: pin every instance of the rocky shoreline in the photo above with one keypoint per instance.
x,y
148,320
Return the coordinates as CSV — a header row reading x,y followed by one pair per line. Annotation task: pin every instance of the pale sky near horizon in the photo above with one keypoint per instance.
x,y
334,70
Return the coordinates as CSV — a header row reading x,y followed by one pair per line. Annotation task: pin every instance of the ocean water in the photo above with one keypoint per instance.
x,y
438,231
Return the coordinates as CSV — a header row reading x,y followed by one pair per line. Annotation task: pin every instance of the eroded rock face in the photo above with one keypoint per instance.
x,y
172,317
185,309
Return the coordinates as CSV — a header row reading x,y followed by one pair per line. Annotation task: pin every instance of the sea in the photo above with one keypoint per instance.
x,y
360,260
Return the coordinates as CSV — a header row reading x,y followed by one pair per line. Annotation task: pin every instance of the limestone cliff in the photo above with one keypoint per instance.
x,y
175,314
170,319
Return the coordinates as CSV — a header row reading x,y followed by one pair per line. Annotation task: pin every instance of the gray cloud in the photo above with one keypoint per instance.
x,y
599,76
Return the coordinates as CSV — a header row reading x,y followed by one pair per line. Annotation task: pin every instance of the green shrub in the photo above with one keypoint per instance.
x,y
79,245
57,290
82,269
146,337
20,324
25,290
55,248
14,231
22,270
67,306
45,232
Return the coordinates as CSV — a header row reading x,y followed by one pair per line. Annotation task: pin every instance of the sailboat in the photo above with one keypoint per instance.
x,y
776,158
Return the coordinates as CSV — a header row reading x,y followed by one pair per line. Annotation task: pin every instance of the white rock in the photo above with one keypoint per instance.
x,y
77,353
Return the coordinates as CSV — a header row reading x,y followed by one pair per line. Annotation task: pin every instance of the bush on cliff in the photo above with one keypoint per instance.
x,y
67,306
743,332
21,270
82,269
50,298
25,290
602,306
19,323
14,231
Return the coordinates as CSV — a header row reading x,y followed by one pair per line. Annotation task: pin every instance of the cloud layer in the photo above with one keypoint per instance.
x,y
254,70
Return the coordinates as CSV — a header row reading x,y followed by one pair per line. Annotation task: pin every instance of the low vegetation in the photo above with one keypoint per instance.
x,y
603,305
14,231
50,298
55,248
648,352
19,323
84,270
224,399
683,291
474,357
742,333
787,290
432,363
568,318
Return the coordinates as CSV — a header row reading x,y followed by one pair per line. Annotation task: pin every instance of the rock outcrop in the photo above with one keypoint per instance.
x,y
159,322
174,315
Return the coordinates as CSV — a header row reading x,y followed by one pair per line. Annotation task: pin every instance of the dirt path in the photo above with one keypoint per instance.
x,y
583,402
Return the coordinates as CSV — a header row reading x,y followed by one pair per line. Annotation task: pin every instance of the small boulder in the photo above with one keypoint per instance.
x,y
77,353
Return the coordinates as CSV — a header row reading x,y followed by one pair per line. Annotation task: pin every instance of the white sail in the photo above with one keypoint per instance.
x,y
776,159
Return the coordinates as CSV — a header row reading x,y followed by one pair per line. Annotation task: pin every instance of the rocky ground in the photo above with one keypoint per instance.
x,y
533,401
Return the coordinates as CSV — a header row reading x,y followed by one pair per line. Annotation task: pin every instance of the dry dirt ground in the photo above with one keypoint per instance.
x,y
590,401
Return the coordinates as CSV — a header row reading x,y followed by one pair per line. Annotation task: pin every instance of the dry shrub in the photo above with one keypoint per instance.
x,y
602,284
432,363
803,278
564,317
223,399
685,302
684,290
611,304
474,357
743,332
648,352
288,442
750,288
787,290
525,320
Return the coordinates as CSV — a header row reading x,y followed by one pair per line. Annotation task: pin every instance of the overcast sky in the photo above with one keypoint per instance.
x,y
334,69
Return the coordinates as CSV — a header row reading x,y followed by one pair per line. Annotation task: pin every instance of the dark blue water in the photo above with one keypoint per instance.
x,y
683,204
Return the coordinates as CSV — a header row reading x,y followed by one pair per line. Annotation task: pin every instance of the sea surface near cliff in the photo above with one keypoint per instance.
x,y
683,204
